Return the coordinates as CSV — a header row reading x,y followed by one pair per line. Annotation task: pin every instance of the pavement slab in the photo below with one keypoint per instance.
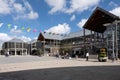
x,y
51,68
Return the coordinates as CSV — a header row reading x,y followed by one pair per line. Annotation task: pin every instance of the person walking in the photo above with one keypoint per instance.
x,y
87,56
7,54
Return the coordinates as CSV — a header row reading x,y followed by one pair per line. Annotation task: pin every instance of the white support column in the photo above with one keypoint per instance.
x,y
51,46
31,47
22,48
8,51
91,42
6,48
15,48
113,45
44,46
26,52
116,42
116,37
84,40
107,45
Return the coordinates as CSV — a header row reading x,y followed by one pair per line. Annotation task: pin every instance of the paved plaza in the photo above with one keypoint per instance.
x,y
51,68
25,58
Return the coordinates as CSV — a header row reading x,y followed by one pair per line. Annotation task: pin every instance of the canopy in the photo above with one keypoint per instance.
x,y
98,18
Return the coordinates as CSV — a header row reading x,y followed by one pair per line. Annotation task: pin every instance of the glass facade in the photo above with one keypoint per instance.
x,y
112,35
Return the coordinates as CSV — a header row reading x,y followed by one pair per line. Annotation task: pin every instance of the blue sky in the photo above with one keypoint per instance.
x,y
56,16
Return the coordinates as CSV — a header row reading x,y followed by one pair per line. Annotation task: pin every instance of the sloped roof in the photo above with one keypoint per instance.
x,y
77,34
98,18
15,40
47,35
34,40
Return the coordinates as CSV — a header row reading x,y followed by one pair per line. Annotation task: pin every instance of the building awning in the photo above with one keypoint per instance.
x,y
98,18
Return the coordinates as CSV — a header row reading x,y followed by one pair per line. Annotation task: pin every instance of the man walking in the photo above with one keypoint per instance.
x,y
87,56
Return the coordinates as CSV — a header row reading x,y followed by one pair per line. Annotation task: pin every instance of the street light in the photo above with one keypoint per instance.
x,y
107,24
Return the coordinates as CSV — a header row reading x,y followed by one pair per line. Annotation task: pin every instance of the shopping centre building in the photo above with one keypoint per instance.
x,y
53,44
15,47
108,25
102,30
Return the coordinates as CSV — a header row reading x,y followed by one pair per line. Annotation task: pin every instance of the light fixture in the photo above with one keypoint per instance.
x,y
107,24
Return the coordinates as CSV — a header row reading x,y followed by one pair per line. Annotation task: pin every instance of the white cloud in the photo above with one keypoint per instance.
x,y
27,5
56,5
25,12
25,39
81,5
116,11
60,28
72,18
35,37
4,7
74,5
4,37
32,15
113,4
81,23
19,10
15,30
1,24
18,7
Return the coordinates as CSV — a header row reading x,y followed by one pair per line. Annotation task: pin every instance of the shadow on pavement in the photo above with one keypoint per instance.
x,y
67,73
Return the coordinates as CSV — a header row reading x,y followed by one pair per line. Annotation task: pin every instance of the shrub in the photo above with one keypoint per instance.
x,y
40,52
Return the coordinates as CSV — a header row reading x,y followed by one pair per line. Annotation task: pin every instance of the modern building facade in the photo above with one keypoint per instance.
x,y
72,43
50,42
108,26
34,46
15,47
102,29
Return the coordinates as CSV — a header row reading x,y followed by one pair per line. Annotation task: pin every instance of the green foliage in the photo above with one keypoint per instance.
x,y
63,51
40,52
102,54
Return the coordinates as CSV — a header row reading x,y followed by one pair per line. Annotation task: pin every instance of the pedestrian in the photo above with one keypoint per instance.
x,y
113,57
7,54
87,56
67,55
119,55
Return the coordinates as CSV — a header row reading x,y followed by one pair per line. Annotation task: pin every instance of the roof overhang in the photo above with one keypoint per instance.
x,y
98,18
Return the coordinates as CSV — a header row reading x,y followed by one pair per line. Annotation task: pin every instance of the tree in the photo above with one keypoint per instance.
x,y
40,52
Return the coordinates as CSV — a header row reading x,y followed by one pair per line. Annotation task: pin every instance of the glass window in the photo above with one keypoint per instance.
x,y
6,45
